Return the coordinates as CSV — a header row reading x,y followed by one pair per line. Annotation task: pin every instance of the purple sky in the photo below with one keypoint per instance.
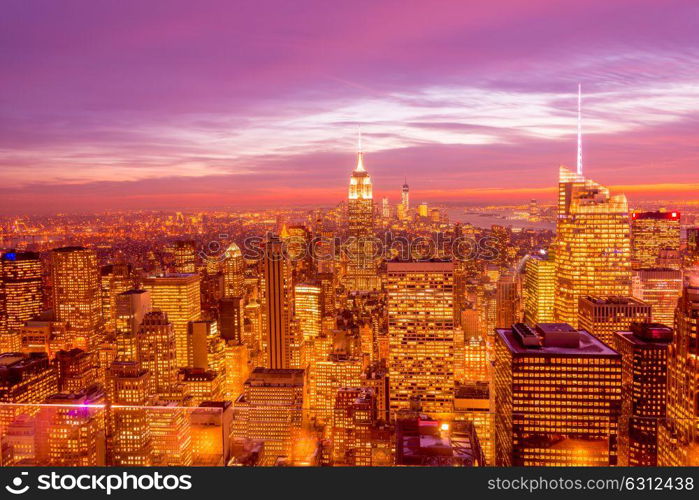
x,y
180,104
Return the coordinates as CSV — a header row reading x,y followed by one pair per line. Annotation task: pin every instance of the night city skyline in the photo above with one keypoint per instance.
x,y
367,234
195,107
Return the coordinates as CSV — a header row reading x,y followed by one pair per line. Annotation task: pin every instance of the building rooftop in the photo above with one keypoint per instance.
x,y
659,215
648,334
587,345
422,441
413,267
276,376
612,300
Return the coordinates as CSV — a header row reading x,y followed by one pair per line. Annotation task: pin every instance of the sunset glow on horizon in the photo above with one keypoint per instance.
x,y
172,105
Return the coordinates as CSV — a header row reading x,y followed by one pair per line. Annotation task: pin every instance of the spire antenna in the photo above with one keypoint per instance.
x,y
580,162
360,154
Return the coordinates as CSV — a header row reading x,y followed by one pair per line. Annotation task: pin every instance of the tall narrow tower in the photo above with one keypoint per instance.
x,y
361,265
405,196
593,241
580,164
277,304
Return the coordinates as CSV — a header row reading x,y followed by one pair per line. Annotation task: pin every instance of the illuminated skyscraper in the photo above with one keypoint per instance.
x,y
652,232
405,197
156,352
211,427
604,316
661,288
43,336
539,289
644,390
328,376
185,254
233,272
76,370
361,261
354,415
421,334
130,308
472,403
206,346
277,312
71,430
20,289
557,395
692,252
114,279
307,309
270,410
76,294
507,301
237,369
171,439
385,209
593,246
24,379
202,385
179,296
678,436
129,431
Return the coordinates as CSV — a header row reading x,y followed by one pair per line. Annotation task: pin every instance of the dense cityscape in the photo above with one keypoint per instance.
x,y
366,334
238,238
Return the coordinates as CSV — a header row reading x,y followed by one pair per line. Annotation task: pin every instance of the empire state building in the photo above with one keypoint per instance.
x,y
361,263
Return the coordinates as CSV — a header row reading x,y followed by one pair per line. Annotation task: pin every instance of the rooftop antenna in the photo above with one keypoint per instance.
x,y
580,163
360,154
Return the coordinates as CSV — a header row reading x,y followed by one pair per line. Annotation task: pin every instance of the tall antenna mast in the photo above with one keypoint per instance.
x,y
580,163
360,154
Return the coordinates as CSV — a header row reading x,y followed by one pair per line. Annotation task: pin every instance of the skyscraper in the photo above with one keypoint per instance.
x,y
277,304
76,370
270,410
506,301
539,289
24,379
71,430
405,196
604,316
643,391
678,435
129,431
130,308
156,352
185,254
20,289
661,288
361,261
179,296
329,375
233,272
593,246
76,294
114,279
206,346
558,397
652,232
307,309
421,334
